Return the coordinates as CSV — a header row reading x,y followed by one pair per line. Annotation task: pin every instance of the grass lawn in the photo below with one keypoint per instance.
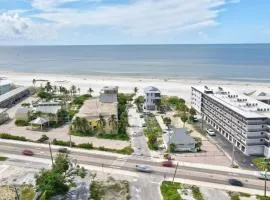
x,y
3,158
169,190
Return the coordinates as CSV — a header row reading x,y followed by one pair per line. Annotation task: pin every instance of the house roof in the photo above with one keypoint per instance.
x,y
23,110
178,136
12,93
151,89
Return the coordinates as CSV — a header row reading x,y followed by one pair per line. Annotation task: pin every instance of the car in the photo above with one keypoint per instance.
x,y
27,152
144,168
167,163
261,175
63,150
210,132
141,116
235,182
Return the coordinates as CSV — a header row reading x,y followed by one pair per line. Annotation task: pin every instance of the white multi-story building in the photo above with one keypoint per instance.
x,y
6,86
108,95
242,120
152,97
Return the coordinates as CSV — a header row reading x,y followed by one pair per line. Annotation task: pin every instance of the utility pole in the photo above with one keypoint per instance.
x,y
233,153
51,152
17,194
202,122
70,143
175,172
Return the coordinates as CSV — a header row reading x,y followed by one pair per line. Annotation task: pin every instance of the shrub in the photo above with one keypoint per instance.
x,y
12,137
126,150
169,190
44,95
21,122
62,143
86,146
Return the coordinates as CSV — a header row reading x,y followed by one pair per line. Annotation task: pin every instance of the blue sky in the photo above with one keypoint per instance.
x,y
52,22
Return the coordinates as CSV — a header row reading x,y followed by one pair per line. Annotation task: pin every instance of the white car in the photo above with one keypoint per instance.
x,y
144,168
261,175
210,132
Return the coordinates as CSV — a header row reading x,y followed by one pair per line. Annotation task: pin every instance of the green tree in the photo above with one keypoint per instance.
x,y
73,90
167,121
184,118
192,111
172,147
34,82
60,178
62,115
198,143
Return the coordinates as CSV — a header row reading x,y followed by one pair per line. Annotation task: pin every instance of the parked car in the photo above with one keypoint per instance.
x,y
167,163
261,175
210,132
144,168
235,182
63,150
27,152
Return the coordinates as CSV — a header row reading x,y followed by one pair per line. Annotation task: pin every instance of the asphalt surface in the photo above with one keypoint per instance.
x,y
129,162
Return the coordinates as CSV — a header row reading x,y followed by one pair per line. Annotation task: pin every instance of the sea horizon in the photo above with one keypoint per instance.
x,y
235,62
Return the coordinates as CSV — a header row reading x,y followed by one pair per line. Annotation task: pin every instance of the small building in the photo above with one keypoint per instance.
x,y
152,96
108,94
23,113
6,86
179,137
3,116
14,96
48,107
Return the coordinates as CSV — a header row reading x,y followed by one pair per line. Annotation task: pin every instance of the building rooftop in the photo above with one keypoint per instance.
x,y
92,108
178,136
109,89
151,89
244,105
12,93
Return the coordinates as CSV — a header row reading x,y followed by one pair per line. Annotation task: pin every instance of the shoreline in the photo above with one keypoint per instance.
x,y
173,87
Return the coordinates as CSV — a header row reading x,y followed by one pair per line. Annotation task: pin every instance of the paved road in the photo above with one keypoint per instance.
x,y
127,163
138,140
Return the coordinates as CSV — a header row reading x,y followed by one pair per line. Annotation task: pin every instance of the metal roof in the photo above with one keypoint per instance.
x,y
178,136
12,93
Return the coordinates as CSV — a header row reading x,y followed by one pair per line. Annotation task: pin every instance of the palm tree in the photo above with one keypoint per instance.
x,y
54,89
48,87
90,90
113,122
135,90
101,122
79,90
73,90
34,82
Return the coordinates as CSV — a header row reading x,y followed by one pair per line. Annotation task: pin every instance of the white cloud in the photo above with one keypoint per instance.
x,y
12,25
49,4
143,17
136,17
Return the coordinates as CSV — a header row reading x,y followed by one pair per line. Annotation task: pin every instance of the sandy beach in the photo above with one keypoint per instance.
x,y
174,87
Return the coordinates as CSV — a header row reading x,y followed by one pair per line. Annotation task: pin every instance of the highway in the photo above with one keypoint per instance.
x,y
127,163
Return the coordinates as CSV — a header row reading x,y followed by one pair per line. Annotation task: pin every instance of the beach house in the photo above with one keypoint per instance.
x,y
108,95
181,140
152,97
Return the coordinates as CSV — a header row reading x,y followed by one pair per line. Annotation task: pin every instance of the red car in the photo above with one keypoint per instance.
x,y
167,163
27,152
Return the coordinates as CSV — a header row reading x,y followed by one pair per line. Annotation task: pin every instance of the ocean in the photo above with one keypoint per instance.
x,y
241,62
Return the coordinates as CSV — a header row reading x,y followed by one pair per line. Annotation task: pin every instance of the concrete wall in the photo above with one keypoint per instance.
x,y
255,150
